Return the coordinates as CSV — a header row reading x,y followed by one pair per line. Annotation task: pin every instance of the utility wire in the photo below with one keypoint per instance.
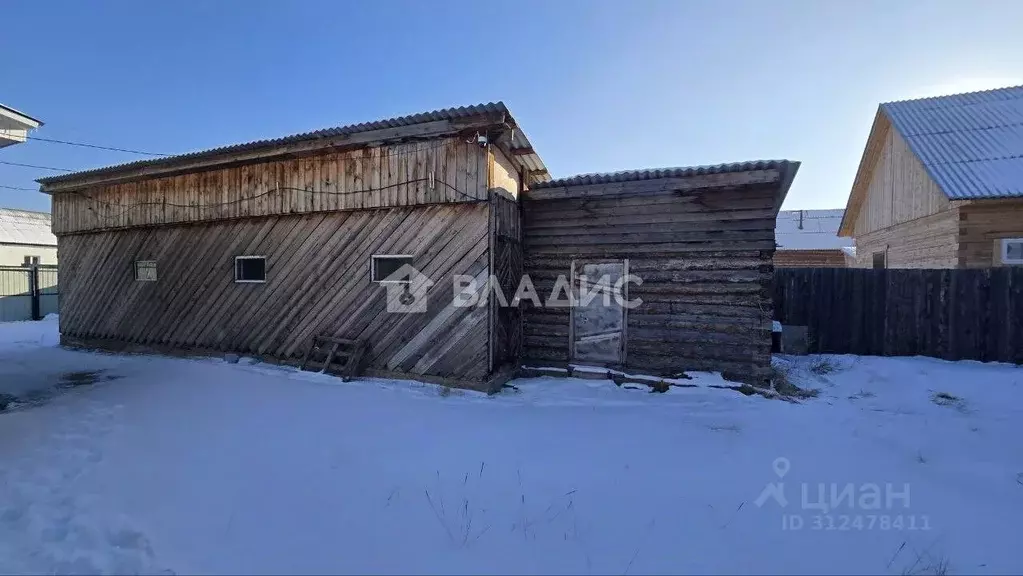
x,y
382,155
34,166
438,144
83,145
276,190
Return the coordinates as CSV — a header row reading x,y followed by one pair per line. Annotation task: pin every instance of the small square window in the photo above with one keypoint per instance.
x,y
388,269
1012,250
31,261
880,260
250,269
145,270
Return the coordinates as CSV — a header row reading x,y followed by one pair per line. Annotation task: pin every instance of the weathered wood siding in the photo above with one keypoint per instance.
x,y
928,242
899,189
436,171
982,225
951,314
704,256
318,282
506,227
809,259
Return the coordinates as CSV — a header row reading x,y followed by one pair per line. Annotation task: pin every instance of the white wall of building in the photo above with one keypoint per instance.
x,y
14,254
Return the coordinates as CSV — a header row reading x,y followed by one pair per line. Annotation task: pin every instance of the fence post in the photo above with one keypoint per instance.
x,y
33,284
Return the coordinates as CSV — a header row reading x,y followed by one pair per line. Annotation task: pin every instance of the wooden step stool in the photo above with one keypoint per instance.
x,y
342,357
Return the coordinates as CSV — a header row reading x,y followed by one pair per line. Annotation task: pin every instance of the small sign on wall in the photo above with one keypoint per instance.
x,y
145,270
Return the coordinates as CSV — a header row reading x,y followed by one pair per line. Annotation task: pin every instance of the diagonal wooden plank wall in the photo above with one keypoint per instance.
x,y
318,282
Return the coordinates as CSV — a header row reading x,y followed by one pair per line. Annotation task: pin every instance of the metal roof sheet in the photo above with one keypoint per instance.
x,y
677,172
971,144
810,230
531,161
25,227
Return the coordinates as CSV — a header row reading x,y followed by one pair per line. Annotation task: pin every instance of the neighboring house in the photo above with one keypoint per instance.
x,y
257,248
25,238
940,184
809,239
14,126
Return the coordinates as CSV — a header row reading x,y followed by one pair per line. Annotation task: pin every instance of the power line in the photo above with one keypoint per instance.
x,y
83,145
382,155
34,166
275,190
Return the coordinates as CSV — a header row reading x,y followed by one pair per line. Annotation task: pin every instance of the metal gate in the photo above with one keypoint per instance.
x,y
28,292
598,323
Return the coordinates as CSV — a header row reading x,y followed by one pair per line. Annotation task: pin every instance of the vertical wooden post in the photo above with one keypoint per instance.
x,y
33,284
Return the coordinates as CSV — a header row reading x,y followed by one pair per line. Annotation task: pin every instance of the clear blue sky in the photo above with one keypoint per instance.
x,y
597,86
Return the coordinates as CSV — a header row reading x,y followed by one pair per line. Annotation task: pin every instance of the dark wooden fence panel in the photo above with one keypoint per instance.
x,y
952,314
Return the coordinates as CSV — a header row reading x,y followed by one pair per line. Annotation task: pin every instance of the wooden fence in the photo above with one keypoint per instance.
x,y
952,314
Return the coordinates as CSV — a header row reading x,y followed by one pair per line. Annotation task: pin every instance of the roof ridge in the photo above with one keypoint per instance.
x,y
3,208
452,113
987,91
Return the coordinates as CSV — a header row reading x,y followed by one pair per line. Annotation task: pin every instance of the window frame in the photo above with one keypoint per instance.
x,y
1004,256
31,260
252,257
373,268
156,275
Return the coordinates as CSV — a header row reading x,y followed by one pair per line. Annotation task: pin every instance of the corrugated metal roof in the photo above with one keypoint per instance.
x,y
25,227
971,144
492,109
810,230
678,172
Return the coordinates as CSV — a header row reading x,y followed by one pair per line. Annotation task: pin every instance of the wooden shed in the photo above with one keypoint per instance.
x,y
259,247
700,242
364,234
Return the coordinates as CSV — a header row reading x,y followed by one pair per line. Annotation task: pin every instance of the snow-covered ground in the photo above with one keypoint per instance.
x,y
174,465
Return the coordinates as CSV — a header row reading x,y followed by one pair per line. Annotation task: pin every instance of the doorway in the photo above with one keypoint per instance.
x,y
597,327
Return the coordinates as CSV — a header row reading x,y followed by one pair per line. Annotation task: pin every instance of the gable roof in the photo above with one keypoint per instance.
x,y
25,227
425,125
970,144
810,230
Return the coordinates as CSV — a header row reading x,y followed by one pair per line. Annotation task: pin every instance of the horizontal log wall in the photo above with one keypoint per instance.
x,y
825,258
435,171
318,282
982,226
928,242
704,256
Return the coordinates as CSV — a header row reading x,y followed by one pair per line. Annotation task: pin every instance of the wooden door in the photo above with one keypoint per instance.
x,y
598,326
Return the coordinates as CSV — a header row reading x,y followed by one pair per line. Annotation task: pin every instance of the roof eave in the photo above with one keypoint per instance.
x,y
29,122
491,116
788,175
878,128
